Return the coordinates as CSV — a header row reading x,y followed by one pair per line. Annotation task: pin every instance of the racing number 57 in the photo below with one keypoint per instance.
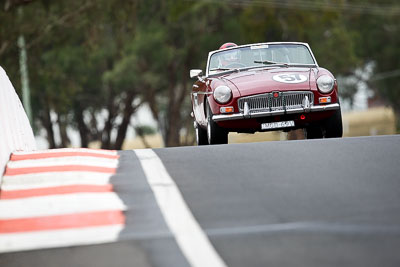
x,y
290,77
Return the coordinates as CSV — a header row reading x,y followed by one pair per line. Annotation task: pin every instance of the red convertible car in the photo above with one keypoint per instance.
x,y
264,87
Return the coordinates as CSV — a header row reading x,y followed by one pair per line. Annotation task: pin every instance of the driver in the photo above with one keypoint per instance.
x,y
230,57
227,45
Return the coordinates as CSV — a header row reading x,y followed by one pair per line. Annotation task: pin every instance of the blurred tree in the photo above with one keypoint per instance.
x,y
71,55
9,4
165,47
331,40
378,42
93,63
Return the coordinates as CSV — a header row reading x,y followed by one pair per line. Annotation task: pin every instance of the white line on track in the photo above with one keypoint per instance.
x,y
59,238
308,227
59,205
191,239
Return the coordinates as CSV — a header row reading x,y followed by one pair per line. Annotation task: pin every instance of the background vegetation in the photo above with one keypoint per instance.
x,y
93,63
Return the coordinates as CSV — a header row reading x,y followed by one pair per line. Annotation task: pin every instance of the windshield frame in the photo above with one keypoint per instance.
x,y
266,66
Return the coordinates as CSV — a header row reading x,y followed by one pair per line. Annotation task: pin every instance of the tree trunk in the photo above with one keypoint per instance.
x,y
173,126
178,95
106,135
83,131
128,111
65,141
48,125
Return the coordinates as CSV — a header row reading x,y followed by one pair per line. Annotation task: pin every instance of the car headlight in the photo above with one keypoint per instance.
x,y
325,84
222,94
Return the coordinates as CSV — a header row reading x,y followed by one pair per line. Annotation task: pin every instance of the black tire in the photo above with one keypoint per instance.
x,y
201,136
333,125
313,132
215,134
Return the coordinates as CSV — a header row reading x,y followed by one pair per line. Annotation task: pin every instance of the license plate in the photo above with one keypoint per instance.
x,y
276,125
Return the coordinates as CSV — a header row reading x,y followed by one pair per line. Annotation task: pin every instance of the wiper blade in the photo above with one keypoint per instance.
x,y
267,62
222,69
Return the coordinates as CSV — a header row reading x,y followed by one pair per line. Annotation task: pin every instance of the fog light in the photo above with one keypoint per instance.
x,y
325,100
226,109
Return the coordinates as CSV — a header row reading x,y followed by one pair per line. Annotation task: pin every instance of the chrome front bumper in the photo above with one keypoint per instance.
x,y
239,116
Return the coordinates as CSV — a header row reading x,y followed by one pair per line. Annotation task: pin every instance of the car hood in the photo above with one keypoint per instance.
x,y
272,79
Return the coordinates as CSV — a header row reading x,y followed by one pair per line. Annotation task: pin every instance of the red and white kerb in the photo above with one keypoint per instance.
x,y
59,197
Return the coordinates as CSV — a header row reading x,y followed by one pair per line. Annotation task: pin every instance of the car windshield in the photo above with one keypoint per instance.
x,y
260,55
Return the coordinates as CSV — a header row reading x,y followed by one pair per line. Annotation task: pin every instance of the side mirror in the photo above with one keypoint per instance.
x,y
195,73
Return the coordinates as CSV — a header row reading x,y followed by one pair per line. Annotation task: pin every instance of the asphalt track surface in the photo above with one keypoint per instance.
x,y
330,202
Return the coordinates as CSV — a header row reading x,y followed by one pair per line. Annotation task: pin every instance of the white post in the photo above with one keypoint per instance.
x,y
26,95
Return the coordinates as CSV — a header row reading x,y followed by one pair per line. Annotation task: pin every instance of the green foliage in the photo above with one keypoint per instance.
x,y
145,130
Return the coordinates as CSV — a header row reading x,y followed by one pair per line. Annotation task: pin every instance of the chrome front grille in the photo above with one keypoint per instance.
x,y
263,102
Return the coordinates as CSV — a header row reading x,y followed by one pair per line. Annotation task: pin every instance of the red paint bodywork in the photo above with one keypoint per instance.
x,y
259,81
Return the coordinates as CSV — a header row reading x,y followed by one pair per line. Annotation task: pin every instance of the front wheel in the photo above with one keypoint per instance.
x,y
215,134
333,125
201,135
313,132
